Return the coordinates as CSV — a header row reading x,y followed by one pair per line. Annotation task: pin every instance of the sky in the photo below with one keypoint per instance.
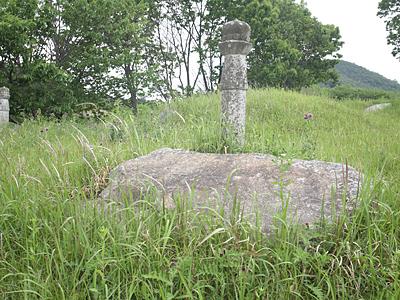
x,y
364,34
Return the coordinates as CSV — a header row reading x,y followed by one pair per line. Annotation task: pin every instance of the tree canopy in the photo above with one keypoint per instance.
x,y
292,49
55,54
390,11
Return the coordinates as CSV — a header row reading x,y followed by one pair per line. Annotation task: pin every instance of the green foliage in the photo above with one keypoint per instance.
x,y
58,53
131,52
56,243
347,92
356,82
17,22
36,83
390,11
343,92
55,54
291,48
43,87
188,33
105,45
359,77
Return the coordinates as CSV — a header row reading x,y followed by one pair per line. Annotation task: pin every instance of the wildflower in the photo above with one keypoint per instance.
x,y
308,116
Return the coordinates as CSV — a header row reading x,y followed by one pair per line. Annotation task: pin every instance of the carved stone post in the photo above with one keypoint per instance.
x,y
234,47
4,105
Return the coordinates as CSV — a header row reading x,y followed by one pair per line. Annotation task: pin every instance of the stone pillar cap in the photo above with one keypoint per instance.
x,y
4,92
236,30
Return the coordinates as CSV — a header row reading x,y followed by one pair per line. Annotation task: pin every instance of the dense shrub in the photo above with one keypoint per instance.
x,y
346,92
42,87
343,92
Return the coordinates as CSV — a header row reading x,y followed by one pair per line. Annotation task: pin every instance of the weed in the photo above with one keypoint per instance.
x,y
53,246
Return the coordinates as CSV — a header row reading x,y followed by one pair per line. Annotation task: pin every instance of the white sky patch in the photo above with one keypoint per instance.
x,y
364,34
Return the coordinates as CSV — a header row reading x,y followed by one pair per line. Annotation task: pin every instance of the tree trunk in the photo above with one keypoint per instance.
x,y
133,101
129,75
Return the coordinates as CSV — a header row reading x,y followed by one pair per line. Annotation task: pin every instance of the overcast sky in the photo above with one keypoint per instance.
x,y
363,33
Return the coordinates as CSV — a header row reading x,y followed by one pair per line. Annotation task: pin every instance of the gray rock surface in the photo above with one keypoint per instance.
x,y
262,184
377,107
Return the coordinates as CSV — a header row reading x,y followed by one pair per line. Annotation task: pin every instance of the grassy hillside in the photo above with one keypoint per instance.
x,y
54,247
359,77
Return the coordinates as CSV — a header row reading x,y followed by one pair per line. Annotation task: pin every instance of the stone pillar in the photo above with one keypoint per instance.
x,y
4,105
235,46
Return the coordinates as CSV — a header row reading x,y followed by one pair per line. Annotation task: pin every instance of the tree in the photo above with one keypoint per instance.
x,y
35,83
107,45
125,38
188,34
55,53
390,11
292,49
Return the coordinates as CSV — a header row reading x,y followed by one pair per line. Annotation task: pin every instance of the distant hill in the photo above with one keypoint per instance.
x,y
357,76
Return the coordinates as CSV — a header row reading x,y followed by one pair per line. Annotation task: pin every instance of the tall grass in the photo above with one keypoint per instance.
x,y
56,244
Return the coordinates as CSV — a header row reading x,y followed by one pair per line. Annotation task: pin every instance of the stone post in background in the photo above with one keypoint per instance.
x,y
235,46
4,105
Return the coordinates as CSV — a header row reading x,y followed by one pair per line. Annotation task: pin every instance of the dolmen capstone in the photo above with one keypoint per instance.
x,y
261,186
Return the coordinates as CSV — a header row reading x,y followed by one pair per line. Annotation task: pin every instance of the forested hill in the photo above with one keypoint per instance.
x,y
357,76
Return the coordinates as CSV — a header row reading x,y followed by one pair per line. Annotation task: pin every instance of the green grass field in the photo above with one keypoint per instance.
x,y
55,245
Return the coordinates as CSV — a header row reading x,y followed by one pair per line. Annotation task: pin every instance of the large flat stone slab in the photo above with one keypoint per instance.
x,y
262,184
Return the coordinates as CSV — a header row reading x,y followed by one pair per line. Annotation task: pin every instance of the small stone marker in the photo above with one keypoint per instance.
x,y
4,105
234,47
